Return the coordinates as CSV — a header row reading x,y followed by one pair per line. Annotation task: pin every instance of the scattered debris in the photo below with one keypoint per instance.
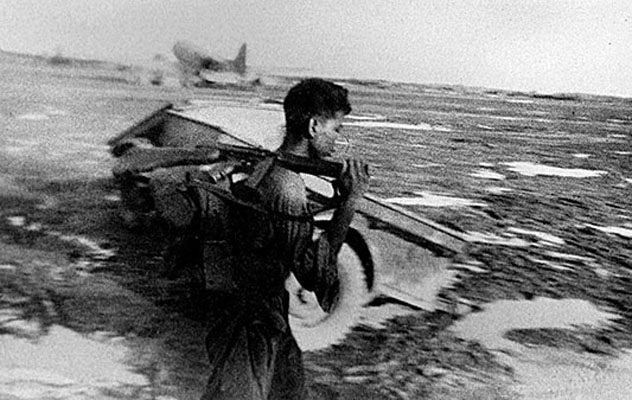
x,y
471,267
490,238
547,238
486,174
365,117
489,326
65,364
532,169
33,117
433,200
16,220
616,230
391,125
497,190
550,264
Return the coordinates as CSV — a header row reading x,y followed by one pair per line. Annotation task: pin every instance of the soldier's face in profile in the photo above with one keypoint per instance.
x,y
324,133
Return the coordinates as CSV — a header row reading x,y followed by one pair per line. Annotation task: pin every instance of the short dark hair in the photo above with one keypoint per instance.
x,y
313,97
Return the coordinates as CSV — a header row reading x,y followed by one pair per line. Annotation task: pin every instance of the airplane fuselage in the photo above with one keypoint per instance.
x,y
195,60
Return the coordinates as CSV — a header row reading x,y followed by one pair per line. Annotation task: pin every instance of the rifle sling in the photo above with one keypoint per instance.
x,y
228,196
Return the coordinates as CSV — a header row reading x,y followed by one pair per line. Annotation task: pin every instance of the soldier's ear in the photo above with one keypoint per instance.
x,y
311,128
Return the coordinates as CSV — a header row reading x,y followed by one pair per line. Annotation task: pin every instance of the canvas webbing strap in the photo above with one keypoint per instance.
x,y
228,196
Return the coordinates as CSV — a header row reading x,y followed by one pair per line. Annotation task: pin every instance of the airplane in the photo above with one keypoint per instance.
x,y
201,69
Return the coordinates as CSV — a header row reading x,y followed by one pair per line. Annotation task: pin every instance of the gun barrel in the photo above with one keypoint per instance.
x,y
324,167
331,168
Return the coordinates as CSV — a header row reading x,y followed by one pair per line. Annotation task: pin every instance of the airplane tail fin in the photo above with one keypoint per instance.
x,y
239,63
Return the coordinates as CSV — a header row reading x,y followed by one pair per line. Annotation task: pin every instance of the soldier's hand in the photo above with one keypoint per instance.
x,y
354,180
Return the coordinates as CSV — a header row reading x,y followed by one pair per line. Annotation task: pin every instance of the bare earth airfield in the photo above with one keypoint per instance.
x,y
541,185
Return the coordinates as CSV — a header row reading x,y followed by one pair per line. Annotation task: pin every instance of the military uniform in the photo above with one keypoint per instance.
x,y
248,253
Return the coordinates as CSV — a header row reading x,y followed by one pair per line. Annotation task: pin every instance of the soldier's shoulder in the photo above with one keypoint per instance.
x,y
284,191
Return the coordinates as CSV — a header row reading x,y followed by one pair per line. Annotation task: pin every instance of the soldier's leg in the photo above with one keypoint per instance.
x,y
242,354
288,380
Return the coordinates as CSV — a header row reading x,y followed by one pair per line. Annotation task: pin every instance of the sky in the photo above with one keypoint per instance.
x,y
548,46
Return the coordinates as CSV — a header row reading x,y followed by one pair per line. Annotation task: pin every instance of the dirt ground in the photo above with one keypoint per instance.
x,y
69,270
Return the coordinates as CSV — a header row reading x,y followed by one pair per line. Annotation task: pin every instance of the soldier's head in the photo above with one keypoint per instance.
x,y
314,109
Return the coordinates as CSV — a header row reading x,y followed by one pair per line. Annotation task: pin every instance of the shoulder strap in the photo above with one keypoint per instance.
x,y
228,196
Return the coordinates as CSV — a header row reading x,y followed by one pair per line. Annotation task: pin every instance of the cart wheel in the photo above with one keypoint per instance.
x,y
313,328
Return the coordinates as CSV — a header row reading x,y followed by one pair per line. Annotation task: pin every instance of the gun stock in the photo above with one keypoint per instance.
x,y
137,159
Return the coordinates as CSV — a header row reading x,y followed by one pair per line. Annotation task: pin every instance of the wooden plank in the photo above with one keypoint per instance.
x,y
412,226
141,127
405,297
211,126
